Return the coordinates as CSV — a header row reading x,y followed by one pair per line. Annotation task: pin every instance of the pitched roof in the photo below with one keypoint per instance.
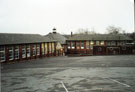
x,y
67,36
11,38
99,37
58,37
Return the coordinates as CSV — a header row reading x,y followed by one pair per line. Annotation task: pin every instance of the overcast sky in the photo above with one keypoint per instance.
x,y
40,16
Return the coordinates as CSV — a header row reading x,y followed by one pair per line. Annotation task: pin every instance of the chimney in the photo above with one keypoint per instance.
x,y
54,30
71,34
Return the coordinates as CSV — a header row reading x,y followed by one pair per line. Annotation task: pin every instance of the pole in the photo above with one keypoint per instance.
x,y
134,21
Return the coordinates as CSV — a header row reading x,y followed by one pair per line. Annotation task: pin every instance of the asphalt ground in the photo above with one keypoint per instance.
x,y
70,74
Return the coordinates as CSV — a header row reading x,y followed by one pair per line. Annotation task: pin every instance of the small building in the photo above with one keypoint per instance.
x,y
61,41
17,47
99,44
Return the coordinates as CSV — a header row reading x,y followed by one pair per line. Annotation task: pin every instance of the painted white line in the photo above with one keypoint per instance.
x,y
126,85
64,86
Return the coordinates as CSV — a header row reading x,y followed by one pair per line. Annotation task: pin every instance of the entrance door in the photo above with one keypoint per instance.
x,y
113,50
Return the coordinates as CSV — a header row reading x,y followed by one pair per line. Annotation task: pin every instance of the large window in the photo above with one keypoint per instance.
x,y
91,44
113,43
102,43
46,49
11,52
34,50
97,42
50,48
16,52
2,54
23,51
91,47
38,49
108,43
28,51
73,45
82,45
43,49
78,45
68,43
118,43
87,45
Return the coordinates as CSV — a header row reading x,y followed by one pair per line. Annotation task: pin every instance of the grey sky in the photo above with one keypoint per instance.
x,y
40,16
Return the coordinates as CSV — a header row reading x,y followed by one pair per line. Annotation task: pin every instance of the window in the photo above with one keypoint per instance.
x,y
78,45
2,54
11,53
113,43
28,50
92,43
102,43
34,50
23,51
87,44
68,45
121,43
82,45
73,45
91,47
43,49
50,48
38,49
108,43
16,52
97,42
118,43
46,49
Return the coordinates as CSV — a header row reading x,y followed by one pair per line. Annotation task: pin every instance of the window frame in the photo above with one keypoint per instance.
x,y
24,49
11,53
46,48
52,47
108,43
17,52
82,44
98,43
38,49
43,48
69,45
113,43
77,45
87,44
28,51
34,50
73,45
102,43
2,52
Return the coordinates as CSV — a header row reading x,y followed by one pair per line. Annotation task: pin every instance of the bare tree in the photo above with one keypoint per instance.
x,y
86,31
115,30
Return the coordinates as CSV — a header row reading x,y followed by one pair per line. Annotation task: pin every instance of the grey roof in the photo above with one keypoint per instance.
x,y
11,38
67,36
58,37
99,37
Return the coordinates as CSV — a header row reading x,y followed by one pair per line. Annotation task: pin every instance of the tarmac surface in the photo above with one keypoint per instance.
x,y
70,74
